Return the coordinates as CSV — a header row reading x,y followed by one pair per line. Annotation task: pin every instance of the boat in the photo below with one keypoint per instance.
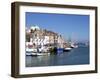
x,y
67,49
41,54
30,50
28,54
74,46
59,50
37,54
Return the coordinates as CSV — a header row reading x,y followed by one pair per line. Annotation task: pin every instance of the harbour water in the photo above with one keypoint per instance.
x,y
76,56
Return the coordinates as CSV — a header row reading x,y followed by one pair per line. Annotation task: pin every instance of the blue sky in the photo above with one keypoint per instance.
x,y
71,26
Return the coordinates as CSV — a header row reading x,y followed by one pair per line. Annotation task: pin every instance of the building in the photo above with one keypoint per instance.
x,y
42,37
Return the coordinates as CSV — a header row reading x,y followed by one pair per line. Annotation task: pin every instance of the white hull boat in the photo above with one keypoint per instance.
x,y
36,54
74,46
67,49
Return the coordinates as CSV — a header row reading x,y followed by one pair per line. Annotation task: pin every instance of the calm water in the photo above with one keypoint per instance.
x,y
74,57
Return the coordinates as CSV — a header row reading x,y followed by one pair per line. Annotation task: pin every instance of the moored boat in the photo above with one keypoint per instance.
x,y
28,54
67,49
59,50
30,50
74,46
37,54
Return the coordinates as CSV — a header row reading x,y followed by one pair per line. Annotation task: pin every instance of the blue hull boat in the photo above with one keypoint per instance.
x,y
59,50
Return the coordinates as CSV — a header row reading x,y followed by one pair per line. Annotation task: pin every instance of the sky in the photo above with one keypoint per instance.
x,y
75,27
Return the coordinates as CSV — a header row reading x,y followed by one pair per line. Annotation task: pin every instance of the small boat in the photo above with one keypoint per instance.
x,y
28,54
74,46
41,54
37,54
67,49
30,50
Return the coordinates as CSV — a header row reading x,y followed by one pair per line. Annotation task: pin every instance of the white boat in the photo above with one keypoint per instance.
x,y
67,49
30,50
41,54
74,46
37,54
28,54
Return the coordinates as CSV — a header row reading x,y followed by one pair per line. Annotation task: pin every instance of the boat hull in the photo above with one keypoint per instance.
x,y
59,50
37,54
67,49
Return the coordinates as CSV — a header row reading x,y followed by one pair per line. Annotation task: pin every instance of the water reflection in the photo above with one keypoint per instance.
x,y
76,56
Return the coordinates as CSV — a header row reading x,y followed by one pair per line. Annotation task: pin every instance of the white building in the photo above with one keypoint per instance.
x,y
42,41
